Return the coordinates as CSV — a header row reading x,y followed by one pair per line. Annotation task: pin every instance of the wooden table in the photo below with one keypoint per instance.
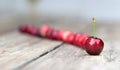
x,y
20,51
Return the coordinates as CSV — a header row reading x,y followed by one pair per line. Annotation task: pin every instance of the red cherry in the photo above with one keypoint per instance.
x,y
65,34
43,30
49,33
32,30
55,34
80,40
70,38
94,46
23,28
59,35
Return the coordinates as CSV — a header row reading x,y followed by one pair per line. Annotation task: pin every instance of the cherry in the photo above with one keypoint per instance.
x,y
43,30
80,40
55,34
65,35
23,28
28,29
59,35
70,38
32,30
49,33
94,46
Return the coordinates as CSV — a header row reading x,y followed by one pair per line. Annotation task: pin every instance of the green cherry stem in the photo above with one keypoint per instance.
x,y
94,27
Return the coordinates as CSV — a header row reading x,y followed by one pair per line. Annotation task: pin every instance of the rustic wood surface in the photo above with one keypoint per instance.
x,y
20,51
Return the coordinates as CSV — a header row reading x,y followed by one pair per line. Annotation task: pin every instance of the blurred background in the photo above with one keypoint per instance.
x,y
16,12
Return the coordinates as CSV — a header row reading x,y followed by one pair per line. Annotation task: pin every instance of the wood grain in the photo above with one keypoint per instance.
x,y
17,48
69,57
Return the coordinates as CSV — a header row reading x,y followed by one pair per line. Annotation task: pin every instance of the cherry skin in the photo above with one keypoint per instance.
x,y
55,34
80,40
28,29
59,35
32,30
43,30
70,38
49,33
94,45
23,28
65,35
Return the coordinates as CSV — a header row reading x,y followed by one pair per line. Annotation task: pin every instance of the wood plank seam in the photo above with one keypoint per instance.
x,y
34,59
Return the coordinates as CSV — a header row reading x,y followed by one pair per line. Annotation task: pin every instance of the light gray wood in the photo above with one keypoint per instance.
x,y
69,57
17,48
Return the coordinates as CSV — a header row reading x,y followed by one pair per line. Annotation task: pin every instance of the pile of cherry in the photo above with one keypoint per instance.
x,y
92,45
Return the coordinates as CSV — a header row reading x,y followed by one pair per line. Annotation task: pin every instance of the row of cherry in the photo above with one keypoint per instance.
x,y
92,45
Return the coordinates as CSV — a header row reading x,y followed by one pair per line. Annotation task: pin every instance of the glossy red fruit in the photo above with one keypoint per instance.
x,y
55,34
59,35
80,39
70,38
65,34
49,33
28,29
32,30
94,46
23,28
43,30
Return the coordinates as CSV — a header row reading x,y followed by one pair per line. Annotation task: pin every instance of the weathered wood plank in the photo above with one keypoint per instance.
x,y
17,48
69,57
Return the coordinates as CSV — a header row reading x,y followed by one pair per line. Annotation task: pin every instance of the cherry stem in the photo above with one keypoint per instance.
x,y
94,25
